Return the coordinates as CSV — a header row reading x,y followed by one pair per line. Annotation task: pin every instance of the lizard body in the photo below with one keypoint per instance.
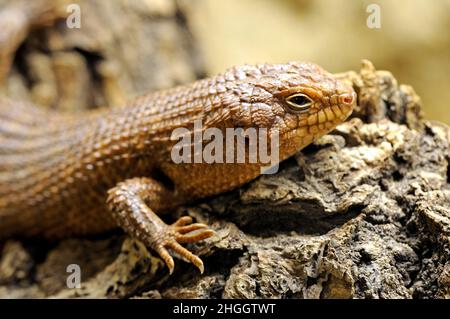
x,y
76,174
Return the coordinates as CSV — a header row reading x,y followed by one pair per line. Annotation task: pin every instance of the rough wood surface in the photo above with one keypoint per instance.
x,y
362,213
123,49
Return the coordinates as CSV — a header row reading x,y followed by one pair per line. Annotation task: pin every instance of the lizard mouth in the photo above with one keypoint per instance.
x,y
324,120
335,115
319,123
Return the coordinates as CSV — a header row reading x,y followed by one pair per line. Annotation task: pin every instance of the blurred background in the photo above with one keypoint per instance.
x,y
413,41
126,48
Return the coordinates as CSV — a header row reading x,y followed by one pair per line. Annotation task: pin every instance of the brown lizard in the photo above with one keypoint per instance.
x,y
56,170
63,175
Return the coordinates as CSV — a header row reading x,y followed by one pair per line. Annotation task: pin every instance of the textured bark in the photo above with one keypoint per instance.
x,y
123,49
363,212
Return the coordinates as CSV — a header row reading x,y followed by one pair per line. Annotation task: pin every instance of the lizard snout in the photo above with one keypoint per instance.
x,y
348,99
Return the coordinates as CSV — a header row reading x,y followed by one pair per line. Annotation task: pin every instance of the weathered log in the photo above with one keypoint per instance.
x,y
363,212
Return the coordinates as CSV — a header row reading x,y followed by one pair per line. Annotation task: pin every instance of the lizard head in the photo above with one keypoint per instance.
x,y
300,101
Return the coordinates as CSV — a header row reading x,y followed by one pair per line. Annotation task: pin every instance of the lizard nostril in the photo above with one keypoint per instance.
x,y
348,98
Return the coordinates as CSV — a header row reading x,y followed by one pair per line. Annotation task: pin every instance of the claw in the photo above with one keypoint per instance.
x,y
182,231
168,260
176,247
189,228
185,220
191,238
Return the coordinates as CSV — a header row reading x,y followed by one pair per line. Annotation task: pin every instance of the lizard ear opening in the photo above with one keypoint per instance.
x,y
299,103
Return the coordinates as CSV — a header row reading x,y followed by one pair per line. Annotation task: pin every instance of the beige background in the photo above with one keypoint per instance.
x,y
413,41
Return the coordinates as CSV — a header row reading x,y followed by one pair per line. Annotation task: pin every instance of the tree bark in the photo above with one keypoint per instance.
x,y
363,212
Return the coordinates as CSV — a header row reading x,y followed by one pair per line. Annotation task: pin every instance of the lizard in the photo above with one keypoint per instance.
x,y
77,174
65,174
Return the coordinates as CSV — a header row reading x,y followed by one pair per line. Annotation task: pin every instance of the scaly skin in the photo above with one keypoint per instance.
x,y
64,175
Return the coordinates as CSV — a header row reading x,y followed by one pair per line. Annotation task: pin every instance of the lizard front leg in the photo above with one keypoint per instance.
x,y
133,204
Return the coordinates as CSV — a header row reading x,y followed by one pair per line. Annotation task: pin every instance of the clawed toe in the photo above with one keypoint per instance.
x,y
176,247
183,252
168,260
185,220
194,236
189,228
183,231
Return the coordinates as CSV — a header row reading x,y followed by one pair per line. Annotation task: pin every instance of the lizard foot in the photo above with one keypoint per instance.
x,y
131,204
182,231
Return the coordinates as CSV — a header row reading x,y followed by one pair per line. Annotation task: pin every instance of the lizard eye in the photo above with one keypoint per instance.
x,y
299,103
